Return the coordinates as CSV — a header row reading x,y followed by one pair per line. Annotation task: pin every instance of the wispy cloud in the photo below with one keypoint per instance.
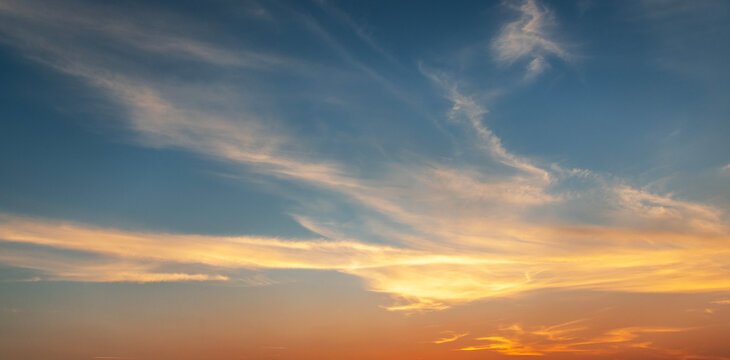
x,y
359,30
530,37
450,337
39,23
569,338
54,266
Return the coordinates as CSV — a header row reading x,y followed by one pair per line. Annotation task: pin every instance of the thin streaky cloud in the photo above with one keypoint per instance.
x,y
516,341
451,337
140,34
358,29
54,267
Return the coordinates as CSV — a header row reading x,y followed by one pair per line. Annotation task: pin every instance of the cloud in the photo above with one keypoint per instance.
x,y
536,67
503,345
569,338
47,25
360,31
56,267
420,279
529,37
664,210
466,110
451,337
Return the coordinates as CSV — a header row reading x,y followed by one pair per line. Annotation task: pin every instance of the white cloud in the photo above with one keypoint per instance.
x,y
529,37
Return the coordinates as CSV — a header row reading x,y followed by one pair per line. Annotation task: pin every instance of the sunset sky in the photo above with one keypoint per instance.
x,y
330,180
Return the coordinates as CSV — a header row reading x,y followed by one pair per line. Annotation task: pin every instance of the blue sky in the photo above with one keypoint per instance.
x,y
235,141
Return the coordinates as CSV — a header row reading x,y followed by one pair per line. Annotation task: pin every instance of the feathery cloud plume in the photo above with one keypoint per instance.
x,y
529,37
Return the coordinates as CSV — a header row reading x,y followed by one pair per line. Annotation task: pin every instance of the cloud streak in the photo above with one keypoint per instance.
x,y
451,337
569,338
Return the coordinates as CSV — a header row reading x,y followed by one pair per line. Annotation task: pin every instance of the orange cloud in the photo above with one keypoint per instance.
x,y
568,338
451,337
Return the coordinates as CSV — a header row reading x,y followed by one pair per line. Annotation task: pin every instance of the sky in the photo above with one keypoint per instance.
x,y
323,179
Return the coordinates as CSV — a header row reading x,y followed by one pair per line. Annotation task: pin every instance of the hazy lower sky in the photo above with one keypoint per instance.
x,y
365,179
